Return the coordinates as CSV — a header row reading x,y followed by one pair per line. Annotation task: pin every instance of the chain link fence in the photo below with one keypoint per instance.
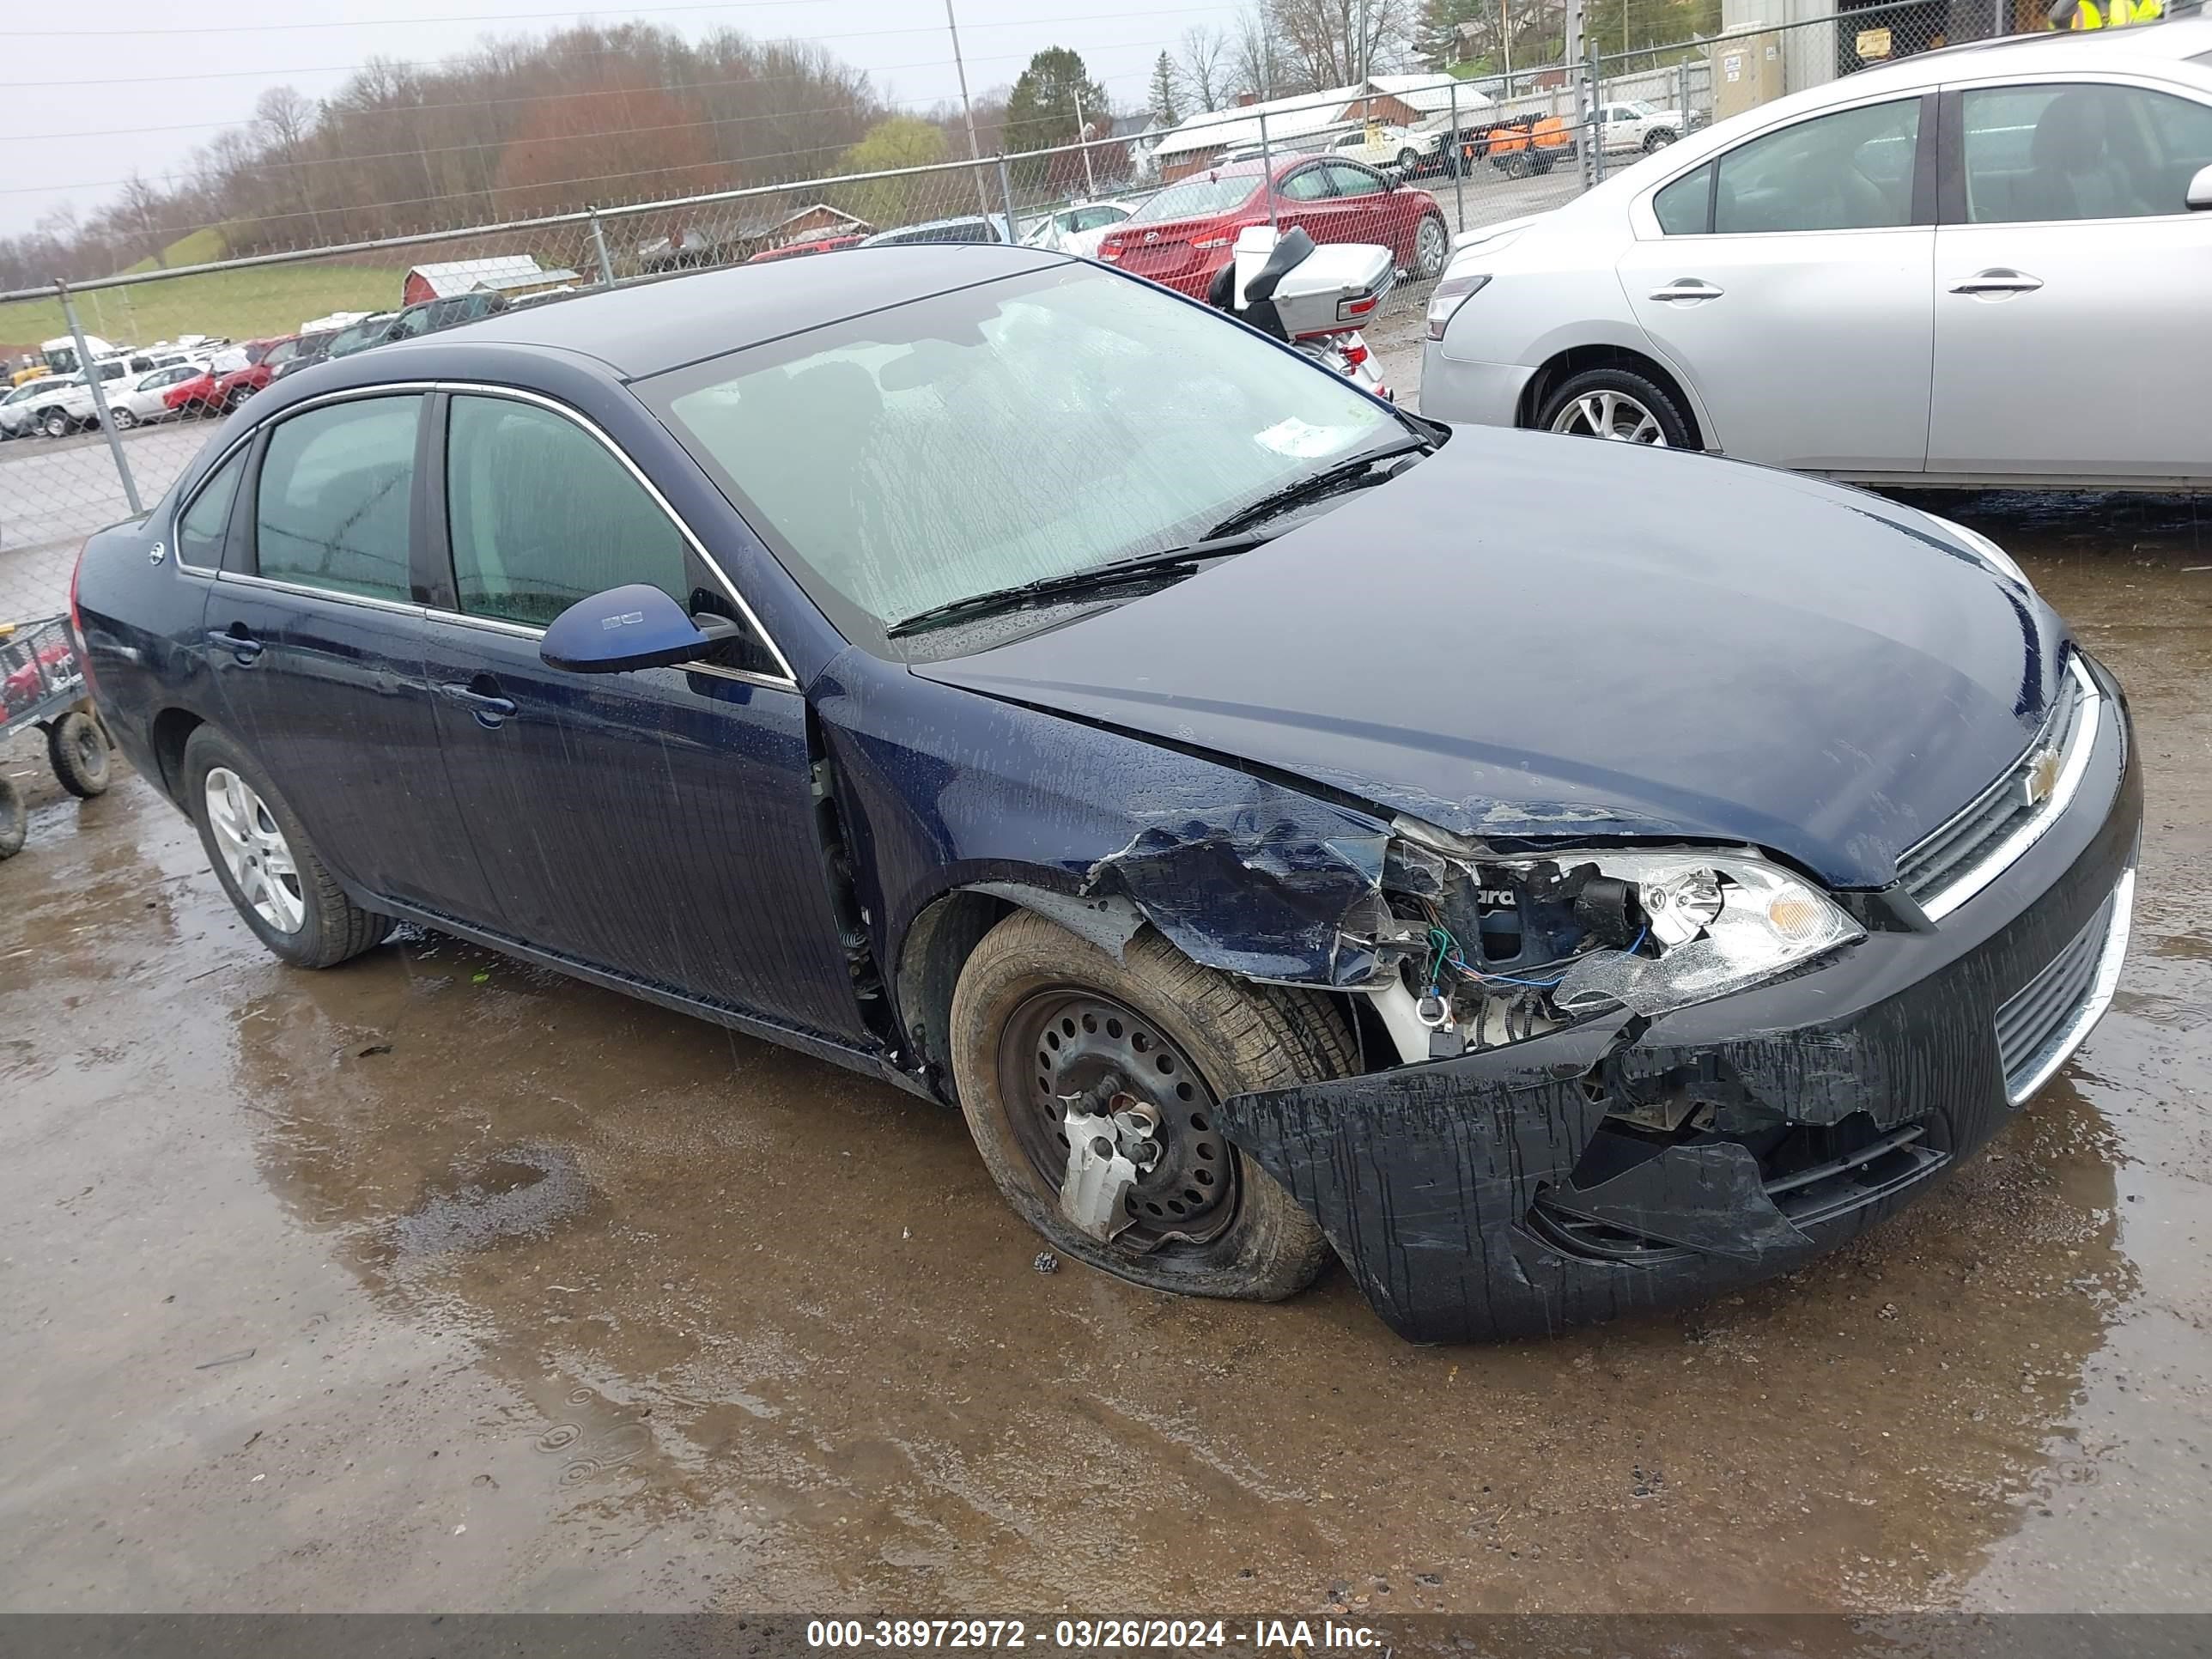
x,y
178,349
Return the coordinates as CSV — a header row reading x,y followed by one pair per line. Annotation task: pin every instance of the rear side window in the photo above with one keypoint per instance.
x,y
1311,186
200,527
1348,180
1684,207
1849,171
2092,151
332,511
541,515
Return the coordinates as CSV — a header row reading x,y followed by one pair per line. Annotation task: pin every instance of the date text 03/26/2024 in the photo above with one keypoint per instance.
x,y
1090,1634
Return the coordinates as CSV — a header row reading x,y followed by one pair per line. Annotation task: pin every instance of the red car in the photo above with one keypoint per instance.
x,y
262,358
1188,231
190,399
793,250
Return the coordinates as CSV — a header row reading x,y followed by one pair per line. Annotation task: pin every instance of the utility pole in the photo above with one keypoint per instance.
x,y
1505,34
966,109
1083,137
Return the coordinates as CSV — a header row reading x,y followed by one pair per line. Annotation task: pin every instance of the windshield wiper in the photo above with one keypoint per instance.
x,y
1146,567
1350,473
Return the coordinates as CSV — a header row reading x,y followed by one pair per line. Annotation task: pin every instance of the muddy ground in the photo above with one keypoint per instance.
x,y
435,1282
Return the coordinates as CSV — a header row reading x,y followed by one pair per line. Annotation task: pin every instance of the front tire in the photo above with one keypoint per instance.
x,y
265,862
123,419
1040,1015
1432,248
1618,406
77,748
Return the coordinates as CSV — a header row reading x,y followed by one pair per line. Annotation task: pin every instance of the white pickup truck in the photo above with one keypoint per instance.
x,y
1638,125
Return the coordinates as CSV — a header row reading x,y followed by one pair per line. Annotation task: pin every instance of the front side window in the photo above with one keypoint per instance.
x,y
332,511
1027,428
1347,180
541,515
2056,152
200,527
1849,171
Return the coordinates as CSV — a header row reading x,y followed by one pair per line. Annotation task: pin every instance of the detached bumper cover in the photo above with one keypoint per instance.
x,y
1488,1196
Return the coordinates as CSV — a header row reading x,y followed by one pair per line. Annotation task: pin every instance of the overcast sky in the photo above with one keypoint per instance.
x,y
153,79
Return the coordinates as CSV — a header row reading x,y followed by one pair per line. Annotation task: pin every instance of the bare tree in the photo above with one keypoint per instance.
x,y
285,119
1205,66
1340,42
1258,61
138,209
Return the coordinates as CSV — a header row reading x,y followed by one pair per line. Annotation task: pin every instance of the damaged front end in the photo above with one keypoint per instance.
x,y
1636,1076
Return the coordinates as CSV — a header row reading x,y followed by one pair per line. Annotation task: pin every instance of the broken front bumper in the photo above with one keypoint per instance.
x,y
1489,1195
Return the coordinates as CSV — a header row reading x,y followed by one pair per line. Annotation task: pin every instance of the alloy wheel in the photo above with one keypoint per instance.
x,y
1614,415
254,851
1430,245
1075,1049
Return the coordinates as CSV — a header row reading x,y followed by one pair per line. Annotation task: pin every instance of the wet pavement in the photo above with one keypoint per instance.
x,y
437,1282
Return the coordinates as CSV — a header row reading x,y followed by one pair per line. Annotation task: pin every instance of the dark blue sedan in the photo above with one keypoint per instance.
x,y
1556,878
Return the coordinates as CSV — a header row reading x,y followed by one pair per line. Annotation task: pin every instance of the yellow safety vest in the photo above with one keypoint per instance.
x,y
2116,14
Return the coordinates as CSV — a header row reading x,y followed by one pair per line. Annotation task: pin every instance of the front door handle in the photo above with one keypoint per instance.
x,y
490,709
1999,279
1687,288
238,640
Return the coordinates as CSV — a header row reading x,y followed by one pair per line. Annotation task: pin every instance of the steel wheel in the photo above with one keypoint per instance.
x,y
254,851
1431,247
56,425
1077,1048
1614,415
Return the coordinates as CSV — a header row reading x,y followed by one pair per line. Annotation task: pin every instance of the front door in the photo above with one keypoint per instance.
x,y
316,644
1793,290
2071,281
659,823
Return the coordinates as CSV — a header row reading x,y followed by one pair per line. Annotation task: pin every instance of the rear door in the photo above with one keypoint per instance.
x,y
316,641
1790,281
2071,281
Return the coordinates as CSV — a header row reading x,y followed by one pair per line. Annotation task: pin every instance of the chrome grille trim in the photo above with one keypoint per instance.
x,y
1945,869
2042,1023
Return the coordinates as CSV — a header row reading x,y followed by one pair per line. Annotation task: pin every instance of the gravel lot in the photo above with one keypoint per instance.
x,y
437,1282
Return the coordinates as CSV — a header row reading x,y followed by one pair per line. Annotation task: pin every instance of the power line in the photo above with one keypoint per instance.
x,y
413,23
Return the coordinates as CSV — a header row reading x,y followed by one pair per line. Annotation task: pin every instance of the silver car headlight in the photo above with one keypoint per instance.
x,y
1986,551
1715,924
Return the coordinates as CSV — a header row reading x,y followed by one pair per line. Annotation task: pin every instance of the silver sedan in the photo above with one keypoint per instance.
x,y
1986,265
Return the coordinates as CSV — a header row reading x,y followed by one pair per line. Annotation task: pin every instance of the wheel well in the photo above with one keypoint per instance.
x,y
172,730
936,948
1574,362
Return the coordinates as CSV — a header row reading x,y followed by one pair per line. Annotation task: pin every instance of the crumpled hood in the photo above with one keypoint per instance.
x,y
1526,635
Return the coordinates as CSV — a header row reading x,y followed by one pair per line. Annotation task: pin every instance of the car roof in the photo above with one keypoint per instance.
x,y
648,327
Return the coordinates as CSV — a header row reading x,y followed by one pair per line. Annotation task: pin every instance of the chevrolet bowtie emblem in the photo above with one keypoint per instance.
x,y
2041,778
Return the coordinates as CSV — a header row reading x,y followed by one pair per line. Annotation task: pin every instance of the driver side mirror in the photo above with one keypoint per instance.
x,y
2199,197
635,626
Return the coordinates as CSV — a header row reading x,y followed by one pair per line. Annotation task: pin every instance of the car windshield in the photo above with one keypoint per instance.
x,y
1003,434
1194,198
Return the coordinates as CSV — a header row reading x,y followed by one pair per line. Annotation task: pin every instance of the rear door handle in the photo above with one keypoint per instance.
x,y
238,641
1687,288
1999,279
489,708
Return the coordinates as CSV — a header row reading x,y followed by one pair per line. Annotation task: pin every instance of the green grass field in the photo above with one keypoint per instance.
x,y
242,305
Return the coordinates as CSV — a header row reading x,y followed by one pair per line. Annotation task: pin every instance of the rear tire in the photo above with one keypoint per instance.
x,y
1225,1037
1579,406
55,424
78,750
1432,248
332,927
14,821
1659,138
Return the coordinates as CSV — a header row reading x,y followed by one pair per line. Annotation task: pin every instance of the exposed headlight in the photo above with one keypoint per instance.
x,y
1987,550
1453,290
1721,923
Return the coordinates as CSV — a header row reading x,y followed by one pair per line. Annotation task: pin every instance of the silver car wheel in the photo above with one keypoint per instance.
x,y
1614,415
1429,249
254,851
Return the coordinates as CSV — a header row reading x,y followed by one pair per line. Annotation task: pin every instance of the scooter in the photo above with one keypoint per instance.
x,y
1313,298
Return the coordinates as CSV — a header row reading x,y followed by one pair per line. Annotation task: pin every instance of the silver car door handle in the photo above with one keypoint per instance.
x,y
1688,288
1998,279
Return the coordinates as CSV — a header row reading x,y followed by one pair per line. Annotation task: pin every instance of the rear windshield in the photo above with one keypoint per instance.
x,y
1194,198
